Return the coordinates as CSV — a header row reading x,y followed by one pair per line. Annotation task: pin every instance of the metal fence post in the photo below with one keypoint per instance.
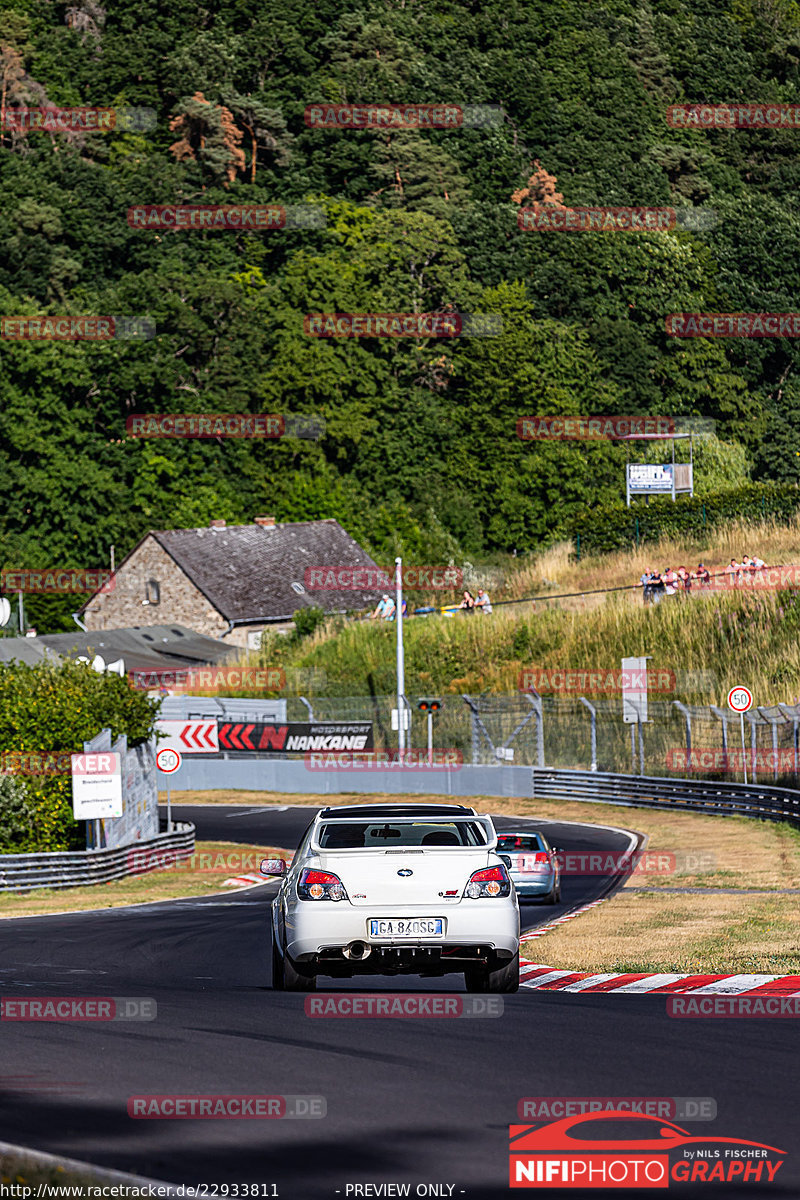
x,y
753,747
536,701
688,719
593,719
723,716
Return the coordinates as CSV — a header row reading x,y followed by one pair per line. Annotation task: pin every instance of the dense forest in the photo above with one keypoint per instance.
x,y
419,450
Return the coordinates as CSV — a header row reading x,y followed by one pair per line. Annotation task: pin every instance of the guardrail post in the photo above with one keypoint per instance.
x,y
593,719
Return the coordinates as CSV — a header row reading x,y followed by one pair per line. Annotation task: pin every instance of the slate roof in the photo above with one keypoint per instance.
x,y
142,647
247,571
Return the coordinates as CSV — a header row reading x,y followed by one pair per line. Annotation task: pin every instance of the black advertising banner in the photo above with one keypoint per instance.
x,y
295,736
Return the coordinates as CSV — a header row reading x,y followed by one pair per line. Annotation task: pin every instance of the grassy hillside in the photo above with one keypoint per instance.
x,y
748,638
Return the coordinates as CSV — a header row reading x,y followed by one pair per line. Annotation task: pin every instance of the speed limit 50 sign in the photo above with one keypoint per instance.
x,y
740,699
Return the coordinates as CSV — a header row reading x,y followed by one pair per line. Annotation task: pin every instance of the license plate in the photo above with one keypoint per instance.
x,y
407,927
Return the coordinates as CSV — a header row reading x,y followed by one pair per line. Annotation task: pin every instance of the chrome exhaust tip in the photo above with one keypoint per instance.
x,y
357,951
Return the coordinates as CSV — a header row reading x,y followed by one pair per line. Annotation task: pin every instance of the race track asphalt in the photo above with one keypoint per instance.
x,y
417,1101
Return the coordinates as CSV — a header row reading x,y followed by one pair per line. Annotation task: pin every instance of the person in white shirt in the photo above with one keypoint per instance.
x,y
483,602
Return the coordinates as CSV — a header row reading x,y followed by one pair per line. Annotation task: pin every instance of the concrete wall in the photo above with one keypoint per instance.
x,y
292,776
180,601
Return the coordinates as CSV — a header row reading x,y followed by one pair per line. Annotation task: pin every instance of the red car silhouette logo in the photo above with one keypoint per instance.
x,y
655,1134
621,1149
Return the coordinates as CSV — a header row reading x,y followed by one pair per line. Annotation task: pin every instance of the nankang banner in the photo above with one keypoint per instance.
x,y
295,736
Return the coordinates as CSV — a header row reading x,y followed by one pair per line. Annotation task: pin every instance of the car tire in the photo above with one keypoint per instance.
x,y
497,977
294,981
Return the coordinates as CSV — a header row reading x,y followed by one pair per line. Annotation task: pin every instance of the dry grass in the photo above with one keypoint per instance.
x,y
202,875
775,543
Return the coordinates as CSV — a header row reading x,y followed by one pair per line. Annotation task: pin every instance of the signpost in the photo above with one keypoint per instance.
x,y
168,762
740,699
634,702
96,789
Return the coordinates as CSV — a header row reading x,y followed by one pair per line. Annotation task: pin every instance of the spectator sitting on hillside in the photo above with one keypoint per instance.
x,y
657,587
756,564
684,579
468,603
670,581
483,602
644,580
702,576
384,605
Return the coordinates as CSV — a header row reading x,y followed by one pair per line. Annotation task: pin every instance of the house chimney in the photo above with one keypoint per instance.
x,y
217,523
266,521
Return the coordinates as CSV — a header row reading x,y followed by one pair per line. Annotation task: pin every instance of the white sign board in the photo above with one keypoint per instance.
x,y
650,477
634,690
189,737
96,785
168,761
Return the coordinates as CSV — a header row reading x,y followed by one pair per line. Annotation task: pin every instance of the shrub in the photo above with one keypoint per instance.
x,y
614,527
51,708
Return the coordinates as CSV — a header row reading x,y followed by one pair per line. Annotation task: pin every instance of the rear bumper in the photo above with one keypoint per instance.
x,y
473,927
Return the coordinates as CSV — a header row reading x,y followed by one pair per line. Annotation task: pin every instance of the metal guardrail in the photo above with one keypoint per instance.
x,y
76,868
761,801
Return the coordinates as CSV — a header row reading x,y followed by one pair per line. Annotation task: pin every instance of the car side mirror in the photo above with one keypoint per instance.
x,y
505,859
273,866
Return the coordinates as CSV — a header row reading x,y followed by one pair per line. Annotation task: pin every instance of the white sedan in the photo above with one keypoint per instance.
x,y
396,889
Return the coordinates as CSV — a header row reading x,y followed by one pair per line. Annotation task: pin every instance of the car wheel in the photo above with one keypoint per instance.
x,y
293,981
494,978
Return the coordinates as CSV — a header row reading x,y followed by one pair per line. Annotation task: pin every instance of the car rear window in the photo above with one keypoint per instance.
x,y
509,842
388,835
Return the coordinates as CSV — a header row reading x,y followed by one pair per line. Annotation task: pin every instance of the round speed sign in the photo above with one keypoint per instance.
x,y
740,699
168,761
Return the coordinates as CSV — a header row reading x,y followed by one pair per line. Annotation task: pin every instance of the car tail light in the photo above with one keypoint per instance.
x,y
491,881
320,885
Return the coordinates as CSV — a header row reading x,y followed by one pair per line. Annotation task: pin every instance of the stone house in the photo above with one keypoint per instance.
x,y
232,581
